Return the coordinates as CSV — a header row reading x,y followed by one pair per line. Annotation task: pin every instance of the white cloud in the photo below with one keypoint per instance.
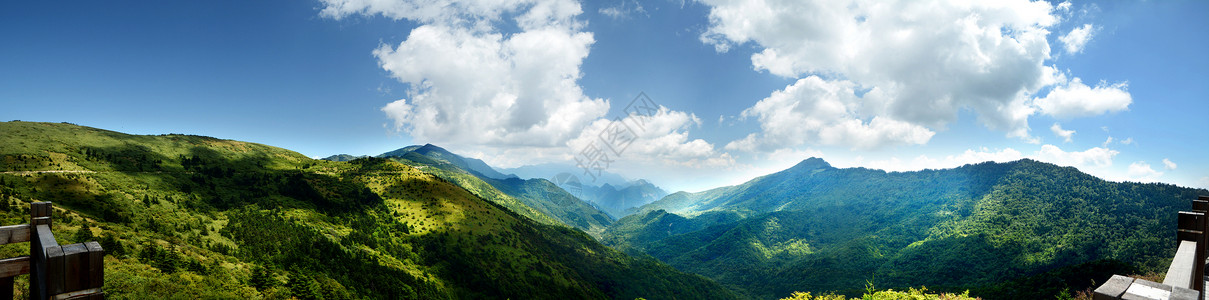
x,y
1106,142
1075,99
1064,6
922,62
1141,171
970,156
510,96
1094,157
1167,163
1064,134
623,10
485,88
1074,40
813,110
1127,141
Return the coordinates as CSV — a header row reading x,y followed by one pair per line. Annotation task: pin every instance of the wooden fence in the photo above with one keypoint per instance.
x,y
73,271
1185,277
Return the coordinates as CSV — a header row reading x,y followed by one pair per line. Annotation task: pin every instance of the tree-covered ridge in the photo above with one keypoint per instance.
x,y
197,217
816,228
538,198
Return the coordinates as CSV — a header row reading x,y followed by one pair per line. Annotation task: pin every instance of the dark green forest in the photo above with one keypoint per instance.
x,y
1023,229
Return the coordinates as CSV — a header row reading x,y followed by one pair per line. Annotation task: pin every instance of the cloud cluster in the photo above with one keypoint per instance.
x,y
1074,40
472,84
921,62
501,76
813,109
1064,134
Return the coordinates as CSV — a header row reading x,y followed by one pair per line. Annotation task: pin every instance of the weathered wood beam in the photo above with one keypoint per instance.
x,y
14,266
14,234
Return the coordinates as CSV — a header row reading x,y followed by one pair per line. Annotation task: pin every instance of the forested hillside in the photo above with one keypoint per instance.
x,y
989,227
185,216
537,198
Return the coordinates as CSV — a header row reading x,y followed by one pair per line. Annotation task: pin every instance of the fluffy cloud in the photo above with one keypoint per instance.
x,y
1094,157
662,137
1141,171
922,62
1167,163
823,112
1075,99
476,88
1074,40
1064,134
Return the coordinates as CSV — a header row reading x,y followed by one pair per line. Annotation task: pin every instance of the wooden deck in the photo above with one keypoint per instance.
x,y
1185,278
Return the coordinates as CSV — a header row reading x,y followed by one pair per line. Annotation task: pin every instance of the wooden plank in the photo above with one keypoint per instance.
x,y
39,213
1113,288
96,265
1179,293
81,294
75,267
55,265
1142,289
1188,220
14,234
14,266
1200,205
1188,235
1180,272
38,260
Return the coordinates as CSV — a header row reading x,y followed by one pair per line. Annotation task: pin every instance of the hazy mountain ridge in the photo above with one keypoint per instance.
x,y
197,217
998,221
608,191
536,198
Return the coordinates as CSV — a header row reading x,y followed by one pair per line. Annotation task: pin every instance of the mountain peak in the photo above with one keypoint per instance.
x,y
812,163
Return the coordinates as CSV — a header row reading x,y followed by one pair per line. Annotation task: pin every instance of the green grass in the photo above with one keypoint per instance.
x,y
185,217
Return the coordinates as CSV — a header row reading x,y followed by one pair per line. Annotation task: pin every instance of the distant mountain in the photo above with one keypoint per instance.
x,y
549,170
465,163
621,202
342,157
188,217
538,199
987,227
609,192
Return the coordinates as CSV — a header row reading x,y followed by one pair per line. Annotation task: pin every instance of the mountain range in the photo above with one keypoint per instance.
x,y
183,216
984,227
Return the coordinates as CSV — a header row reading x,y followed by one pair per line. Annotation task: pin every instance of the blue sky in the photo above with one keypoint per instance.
x,y
746,87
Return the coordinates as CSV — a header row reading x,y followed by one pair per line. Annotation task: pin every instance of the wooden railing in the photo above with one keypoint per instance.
x,y
73,271
1185,277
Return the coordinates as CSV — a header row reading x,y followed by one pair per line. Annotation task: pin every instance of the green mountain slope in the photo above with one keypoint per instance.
x,y
188,217
813,227
538,198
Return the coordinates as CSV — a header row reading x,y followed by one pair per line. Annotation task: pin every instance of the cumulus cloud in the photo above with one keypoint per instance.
x,y
1074,40
1075,99
1167,163
822,112
474,88
1141,171
1094,157
1064,134
922,62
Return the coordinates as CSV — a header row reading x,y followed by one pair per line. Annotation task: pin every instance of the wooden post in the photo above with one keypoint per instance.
x,y
40,237
1191,227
